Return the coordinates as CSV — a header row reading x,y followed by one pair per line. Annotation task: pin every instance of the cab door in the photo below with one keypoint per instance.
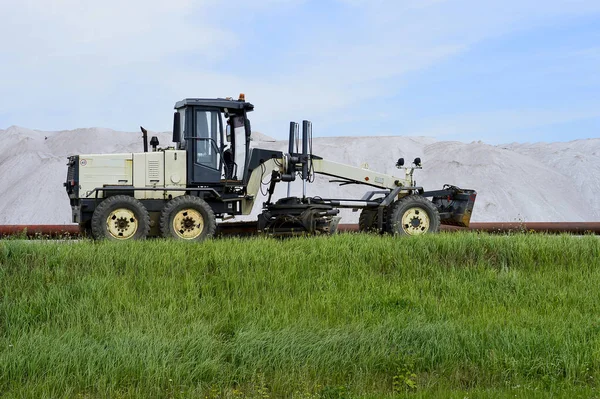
x,y
204,146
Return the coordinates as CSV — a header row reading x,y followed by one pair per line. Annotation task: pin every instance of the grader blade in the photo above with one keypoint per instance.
x,y
456,206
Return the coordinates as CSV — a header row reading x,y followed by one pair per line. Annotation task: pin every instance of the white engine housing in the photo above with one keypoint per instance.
x,y
160,169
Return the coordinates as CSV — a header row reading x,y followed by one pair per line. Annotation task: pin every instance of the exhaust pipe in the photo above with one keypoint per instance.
x,y
145,138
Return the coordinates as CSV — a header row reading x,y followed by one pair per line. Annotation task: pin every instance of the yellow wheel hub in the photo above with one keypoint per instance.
x,y
122,224
188,224
415,221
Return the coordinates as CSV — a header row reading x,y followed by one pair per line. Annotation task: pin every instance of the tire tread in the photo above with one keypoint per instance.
x,y
210,222
101,213
400,206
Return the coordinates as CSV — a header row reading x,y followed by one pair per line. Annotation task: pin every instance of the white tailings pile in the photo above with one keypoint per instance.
x,y
515,182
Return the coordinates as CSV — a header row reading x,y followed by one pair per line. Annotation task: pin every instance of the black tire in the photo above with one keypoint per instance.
x,y
368,221
129,219
413,215
187,218
86,229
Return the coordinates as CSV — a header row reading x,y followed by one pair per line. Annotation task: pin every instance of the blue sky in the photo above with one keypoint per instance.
x,y
496,71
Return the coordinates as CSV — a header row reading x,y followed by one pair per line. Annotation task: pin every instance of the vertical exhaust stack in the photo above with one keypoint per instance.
x,y
145,138
177,129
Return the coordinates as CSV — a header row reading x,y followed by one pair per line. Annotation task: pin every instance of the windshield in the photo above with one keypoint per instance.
x,y
208,138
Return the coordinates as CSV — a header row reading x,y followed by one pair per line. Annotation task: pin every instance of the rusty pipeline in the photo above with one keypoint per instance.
x,y
249,228
37,230
534,227
514,227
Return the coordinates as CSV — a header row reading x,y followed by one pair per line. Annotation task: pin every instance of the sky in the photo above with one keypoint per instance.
x,y
467,70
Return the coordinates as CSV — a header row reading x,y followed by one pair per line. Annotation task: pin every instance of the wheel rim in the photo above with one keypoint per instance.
x,y
188,224
122,224
415,221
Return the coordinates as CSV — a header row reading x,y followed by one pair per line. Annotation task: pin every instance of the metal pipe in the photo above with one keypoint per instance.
x,y
306,125
293,135
145,138
536,227
248,228
294,128
35,230
508,227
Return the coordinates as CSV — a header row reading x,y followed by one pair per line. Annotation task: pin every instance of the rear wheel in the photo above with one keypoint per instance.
x,y
187,218
120,218
413,215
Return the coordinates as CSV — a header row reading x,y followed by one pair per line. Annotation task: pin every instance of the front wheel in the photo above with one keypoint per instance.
x,y
187,218
413,215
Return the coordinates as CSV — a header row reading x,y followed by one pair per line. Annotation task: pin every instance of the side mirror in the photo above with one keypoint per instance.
x,y
177,128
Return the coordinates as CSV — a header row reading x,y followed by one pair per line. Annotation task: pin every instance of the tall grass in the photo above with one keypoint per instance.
x,y
347,315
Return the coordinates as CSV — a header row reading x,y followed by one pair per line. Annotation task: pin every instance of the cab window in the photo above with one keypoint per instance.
x,y
207,138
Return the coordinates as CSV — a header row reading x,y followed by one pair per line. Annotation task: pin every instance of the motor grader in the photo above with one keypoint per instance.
x,y
212,174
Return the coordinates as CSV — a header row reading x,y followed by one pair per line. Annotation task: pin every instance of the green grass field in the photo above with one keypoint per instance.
x,y
353,315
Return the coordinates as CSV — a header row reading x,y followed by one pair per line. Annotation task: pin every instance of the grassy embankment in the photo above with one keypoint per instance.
x,y
343,316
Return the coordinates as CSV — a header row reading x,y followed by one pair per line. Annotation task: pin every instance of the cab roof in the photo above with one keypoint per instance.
x,y
215,102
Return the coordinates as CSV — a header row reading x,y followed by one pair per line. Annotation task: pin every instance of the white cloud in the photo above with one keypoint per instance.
x,y
90,60
346,65
80,55
501,124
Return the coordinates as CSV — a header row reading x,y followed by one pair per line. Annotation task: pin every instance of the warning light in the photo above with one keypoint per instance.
x,y
242,97
367,178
